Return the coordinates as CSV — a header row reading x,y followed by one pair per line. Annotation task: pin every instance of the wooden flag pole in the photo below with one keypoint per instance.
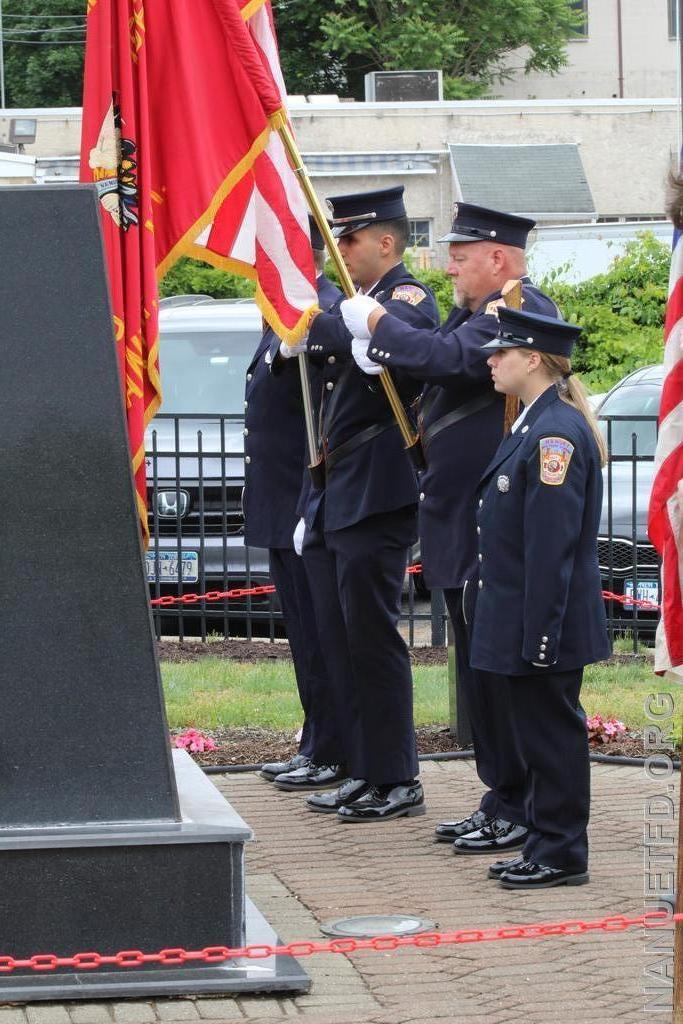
x,y
512,294
410,438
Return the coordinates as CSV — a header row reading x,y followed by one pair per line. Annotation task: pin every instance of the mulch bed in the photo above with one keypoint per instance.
x,y
250,651
255,746
261,650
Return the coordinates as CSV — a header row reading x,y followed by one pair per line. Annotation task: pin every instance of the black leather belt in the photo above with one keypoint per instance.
x,y
342,450
461,413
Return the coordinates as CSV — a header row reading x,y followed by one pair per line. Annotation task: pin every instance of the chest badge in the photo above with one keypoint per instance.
x,y
503,483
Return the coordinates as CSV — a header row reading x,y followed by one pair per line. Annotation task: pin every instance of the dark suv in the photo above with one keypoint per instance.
x,y
195,467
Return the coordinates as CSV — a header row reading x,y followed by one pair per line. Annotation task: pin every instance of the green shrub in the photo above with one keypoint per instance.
x,y
192,277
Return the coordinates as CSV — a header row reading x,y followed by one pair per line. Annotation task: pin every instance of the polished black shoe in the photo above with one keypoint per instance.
x,y
499,866
494,836
538,876
382,803
313,776
273,768
329,803
447,831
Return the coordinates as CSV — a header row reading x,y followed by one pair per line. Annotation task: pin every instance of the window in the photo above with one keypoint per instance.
x,y
581,7
673,18
420,234
641,400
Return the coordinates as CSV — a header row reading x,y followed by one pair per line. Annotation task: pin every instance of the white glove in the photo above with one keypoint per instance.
x,y
359,352
356,312
298,537
287,351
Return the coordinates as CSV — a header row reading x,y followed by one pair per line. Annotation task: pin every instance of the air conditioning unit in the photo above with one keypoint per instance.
x,y
403,86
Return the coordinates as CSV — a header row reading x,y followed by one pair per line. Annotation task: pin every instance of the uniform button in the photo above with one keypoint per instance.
x,y
422,495
481,502
246,431
541,657
249,376
481,557
247,459
246,405
329,385
380,353
387,354
481,584
374,351
544,639
331,359
478,530
542,647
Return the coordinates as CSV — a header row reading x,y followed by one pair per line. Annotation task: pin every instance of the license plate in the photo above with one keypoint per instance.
x,y
648,590
168,566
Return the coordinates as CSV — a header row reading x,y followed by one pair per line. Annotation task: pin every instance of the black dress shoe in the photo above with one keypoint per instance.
x,y
538,876
382,803
329,803
313,776
273,768
499,866
447,831
492,837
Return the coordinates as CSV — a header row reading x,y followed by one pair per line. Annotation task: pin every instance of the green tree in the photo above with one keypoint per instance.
x,y
471,40
44,50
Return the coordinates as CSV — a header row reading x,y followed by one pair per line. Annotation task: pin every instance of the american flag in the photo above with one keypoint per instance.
x,y
261,229
665,520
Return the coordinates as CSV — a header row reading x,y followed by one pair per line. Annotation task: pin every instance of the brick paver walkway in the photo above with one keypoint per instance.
x,y
305,868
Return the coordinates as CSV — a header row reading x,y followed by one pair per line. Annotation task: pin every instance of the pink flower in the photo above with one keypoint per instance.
x,y
195,741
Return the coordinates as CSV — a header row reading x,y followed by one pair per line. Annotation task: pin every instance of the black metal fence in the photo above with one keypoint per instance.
x,y
195,476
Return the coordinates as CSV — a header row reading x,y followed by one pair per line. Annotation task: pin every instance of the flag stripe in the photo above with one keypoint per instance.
x,y
665,516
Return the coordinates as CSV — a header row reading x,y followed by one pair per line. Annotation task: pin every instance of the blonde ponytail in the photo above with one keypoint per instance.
x,y
572,391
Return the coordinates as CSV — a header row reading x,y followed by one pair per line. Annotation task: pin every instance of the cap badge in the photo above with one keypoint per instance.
x,y
503,483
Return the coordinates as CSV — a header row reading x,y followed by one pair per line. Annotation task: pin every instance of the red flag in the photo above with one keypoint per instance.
x,y
665,520
178,105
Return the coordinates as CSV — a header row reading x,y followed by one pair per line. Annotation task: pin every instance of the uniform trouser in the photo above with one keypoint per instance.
x,y
488,703
356,577
551,737
320,738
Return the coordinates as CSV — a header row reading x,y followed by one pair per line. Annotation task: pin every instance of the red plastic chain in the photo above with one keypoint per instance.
x,y
220,595
380,944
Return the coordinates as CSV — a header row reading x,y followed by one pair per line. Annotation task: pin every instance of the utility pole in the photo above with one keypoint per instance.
x,y
2,63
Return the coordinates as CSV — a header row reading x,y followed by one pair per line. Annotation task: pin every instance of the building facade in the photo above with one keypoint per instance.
x,y
627,49
559,161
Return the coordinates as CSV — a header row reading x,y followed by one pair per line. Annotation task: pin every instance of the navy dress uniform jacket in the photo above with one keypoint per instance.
x,y
377,476
538,595
453,366
275,441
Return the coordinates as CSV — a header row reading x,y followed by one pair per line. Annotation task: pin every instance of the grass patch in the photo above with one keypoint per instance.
x,y
216,692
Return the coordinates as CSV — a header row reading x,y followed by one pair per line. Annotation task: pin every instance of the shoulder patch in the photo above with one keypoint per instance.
x,y
493,307
555,455
409,293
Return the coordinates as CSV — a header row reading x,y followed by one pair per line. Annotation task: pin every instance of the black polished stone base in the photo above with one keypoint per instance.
x,y
136,886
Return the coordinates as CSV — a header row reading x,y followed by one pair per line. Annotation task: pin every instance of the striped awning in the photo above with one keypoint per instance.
x,y
333,165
